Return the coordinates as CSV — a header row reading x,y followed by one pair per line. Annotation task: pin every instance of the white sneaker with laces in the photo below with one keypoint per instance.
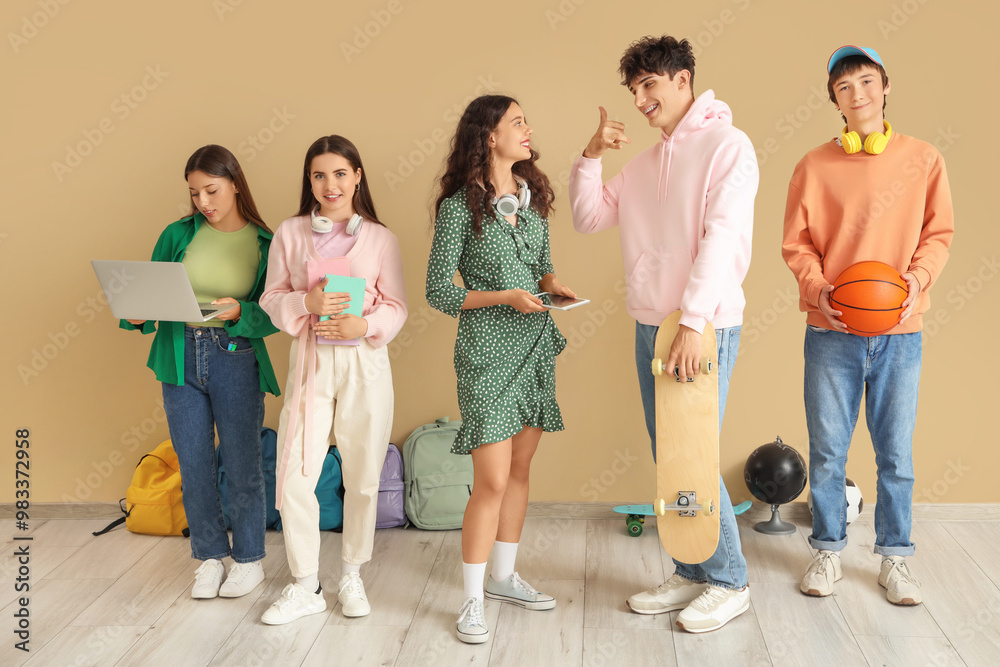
x,y
516,590
471,626
243,578
673,594
824,570
353,601
208,579
713,609
294,603
901,587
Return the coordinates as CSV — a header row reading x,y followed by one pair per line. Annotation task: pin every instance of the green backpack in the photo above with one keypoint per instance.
x,y
437,483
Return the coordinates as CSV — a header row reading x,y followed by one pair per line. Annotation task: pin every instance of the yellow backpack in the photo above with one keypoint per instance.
x,y
153,503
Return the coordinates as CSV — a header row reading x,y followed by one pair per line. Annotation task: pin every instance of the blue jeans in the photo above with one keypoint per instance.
x,y
726,568
839,368
221,391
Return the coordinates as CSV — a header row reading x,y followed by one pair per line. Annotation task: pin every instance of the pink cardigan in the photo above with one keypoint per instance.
x,y
374,257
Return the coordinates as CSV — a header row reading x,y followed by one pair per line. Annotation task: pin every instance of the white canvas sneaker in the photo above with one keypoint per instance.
x,y
208,579
243,578
471,626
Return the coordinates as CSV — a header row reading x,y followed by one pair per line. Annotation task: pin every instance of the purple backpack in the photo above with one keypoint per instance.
x,y
390,491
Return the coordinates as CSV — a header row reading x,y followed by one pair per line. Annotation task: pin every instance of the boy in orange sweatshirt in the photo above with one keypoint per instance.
x,y
870,194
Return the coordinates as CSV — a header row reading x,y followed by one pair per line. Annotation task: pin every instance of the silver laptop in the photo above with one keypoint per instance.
x,y
152,291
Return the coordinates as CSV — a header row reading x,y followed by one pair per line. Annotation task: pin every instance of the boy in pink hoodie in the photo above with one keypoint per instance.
x,y
684,210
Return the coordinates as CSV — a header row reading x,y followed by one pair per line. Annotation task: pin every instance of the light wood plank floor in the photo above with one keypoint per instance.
x,y
123,599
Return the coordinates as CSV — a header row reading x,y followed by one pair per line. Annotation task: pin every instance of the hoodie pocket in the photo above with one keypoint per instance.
x,y
657,280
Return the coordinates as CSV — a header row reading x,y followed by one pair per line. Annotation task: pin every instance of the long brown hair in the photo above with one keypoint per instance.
x,y
218,161
469,162
338,145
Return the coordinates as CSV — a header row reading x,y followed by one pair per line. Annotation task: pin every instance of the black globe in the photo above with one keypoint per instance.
x,y
775,473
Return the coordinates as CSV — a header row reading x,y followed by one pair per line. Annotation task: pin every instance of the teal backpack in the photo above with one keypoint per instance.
x,y
329,493
437,483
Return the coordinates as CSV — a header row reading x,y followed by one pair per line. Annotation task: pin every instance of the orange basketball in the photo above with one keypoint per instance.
x,y
870,295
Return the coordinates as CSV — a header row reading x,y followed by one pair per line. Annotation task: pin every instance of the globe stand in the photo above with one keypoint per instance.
x,y
775,526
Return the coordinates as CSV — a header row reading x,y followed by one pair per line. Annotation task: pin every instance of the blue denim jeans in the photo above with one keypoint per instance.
x,y
221,391
839,368
726,568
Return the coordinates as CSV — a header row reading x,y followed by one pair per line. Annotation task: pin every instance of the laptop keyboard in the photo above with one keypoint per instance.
x,y
207,311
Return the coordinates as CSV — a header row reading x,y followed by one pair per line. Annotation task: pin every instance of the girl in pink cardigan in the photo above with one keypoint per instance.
x,y
339,388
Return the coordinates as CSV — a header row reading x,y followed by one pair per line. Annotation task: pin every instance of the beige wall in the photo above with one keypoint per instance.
x,y
133,88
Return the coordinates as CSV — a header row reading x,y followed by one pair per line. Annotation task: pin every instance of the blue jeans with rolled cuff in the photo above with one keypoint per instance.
x,y
727,568
840,368
221,391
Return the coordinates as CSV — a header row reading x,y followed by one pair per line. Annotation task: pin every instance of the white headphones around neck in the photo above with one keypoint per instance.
x,y
323,225
508,204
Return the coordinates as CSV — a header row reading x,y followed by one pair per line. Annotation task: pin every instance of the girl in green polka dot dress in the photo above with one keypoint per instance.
x,y
507,342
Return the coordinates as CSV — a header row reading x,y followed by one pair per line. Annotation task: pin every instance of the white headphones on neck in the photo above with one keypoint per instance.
x,y
508,204
323,225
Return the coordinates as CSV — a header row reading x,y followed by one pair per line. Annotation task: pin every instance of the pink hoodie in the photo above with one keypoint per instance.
x,y
684,208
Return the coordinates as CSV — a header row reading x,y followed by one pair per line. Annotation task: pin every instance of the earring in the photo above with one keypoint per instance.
x,y
357,186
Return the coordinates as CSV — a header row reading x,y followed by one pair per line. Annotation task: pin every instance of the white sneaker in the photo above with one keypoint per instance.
x,y
673,594
516,590
295,602
713,609
471,626
353,601
900,586
207,579
243,578
824,570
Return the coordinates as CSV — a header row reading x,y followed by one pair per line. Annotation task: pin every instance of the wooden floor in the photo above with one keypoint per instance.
x,y
124,599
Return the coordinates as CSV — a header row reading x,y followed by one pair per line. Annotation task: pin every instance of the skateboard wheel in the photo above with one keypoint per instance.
x,y
634,528
660,507
657,366
710,507
706,366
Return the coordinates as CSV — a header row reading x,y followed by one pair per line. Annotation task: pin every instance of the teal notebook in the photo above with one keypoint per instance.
x,y
353,286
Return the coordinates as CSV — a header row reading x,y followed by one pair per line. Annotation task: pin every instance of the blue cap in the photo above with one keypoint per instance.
x,y
851,50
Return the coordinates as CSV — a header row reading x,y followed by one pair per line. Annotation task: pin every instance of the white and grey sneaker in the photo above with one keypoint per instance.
x,y
294,603
713,609
673,594
471,626
208,579
516,590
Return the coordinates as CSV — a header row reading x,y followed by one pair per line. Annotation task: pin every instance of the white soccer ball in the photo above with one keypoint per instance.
x,y
855,503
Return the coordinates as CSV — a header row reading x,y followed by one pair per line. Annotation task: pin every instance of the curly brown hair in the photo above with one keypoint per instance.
x,y
468,162
656,55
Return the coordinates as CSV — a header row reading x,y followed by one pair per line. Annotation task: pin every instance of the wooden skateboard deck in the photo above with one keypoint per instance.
x,y
687,450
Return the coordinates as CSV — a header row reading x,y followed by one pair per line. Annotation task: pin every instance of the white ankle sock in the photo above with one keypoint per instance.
x,y
310,583
504,555
348,568
472,575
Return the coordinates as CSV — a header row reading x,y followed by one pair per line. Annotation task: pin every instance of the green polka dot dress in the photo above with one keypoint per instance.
x,y
504,359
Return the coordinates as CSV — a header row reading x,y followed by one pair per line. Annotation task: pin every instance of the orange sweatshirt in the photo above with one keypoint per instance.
x,y
893,208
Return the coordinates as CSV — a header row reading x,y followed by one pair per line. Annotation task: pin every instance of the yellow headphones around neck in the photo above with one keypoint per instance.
x,y
874,143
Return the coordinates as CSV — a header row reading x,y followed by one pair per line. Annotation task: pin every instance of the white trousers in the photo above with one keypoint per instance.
x,y
352,409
